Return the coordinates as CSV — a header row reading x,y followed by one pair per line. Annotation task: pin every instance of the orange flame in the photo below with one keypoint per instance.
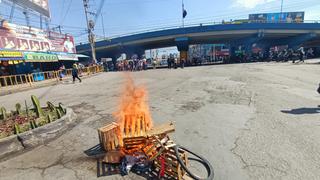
x,y
133,115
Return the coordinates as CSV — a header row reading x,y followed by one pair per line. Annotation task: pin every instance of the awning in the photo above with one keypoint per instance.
x,y
67,57
40,57
82,56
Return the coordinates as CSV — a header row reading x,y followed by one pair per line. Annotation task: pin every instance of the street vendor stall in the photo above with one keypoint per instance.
x,y
40,61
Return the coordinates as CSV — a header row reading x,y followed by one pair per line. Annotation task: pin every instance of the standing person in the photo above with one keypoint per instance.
x,y
310,53
301,53
182,63
154,63
140,64
135,63
80,68
62,71
290,54
130,65
175,62
169,62
75,73
144,64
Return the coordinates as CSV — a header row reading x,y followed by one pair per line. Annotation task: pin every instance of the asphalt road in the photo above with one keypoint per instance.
x,y
252,121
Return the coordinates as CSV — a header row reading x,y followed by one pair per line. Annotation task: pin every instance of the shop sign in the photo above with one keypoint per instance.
x,y
40,57
10,55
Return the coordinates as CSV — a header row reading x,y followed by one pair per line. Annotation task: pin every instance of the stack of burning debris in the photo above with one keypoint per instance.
x,y
133,144
142,153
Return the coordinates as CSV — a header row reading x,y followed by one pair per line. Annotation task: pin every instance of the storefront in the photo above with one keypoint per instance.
x,y
9,60
42,61
33,45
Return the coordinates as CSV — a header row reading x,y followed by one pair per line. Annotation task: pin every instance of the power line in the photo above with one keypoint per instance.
x,y
62,9
69,5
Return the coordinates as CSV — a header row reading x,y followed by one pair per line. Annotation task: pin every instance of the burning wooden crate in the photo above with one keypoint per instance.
x,y
134,126
134,143
156,145
108,136
168,163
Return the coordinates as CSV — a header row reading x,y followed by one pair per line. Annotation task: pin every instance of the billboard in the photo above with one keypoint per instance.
x,y
23,38
40,6
284,17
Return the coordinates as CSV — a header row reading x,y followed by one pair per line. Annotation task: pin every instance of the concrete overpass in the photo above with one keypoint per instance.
x,y
265,34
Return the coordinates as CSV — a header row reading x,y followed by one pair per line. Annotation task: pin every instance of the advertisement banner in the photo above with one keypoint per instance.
x,y
11,55
23,38
67,57
40,57
285,17
40,6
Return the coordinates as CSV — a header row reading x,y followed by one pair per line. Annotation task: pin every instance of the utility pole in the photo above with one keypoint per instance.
x,y
90,26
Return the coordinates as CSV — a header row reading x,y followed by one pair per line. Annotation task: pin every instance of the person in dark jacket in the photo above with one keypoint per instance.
x,y
75,73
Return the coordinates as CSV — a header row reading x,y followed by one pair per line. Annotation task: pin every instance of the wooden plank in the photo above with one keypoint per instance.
x,y
113,156
162,129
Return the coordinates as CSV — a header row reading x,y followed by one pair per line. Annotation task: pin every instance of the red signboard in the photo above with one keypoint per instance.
x,y
23,38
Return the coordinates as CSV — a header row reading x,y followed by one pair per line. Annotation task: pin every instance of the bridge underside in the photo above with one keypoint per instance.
x,y
292,35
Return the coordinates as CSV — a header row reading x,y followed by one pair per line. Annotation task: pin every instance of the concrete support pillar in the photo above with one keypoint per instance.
x,y
182,44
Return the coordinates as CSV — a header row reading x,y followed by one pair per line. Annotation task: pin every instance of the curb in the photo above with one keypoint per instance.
x,y
16,144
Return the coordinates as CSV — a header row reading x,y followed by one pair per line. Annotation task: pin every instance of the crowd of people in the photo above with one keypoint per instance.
x,y
174,63
132,65
283,55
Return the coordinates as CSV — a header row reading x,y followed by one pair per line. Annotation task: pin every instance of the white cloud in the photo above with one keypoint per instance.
x,y
312,13
249,4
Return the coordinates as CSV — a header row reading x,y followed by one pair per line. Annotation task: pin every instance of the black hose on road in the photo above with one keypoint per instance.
x,y
201,160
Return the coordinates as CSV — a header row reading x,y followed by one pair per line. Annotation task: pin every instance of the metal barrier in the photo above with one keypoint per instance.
x,y
29,79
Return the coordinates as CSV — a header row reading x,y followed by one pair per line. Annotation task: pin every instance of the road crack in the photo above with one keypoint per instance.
x,y
248,165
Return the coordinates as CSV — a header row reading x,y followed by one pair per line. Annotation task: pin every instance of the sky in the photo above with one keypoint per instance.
x,y
122,17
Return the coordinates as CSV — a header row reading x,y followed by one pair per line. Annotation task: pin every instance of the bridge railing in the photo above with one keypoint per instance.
x,y
192,25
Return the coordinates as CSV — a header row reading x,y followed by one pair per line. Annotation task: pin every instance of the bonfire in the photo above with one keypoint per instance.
x,y
133,143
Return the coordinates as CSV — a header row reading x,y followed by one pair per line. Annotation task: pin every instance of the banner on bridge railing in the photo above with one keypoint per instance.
x,y
284,17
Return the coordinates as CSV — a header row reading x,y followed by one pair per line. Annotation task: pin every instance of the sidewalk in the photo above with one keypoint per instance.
x,y
51,82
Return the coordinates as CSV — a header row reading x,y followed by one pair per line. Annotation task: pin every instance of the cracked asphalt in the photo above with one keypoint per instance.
x,y
252,121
